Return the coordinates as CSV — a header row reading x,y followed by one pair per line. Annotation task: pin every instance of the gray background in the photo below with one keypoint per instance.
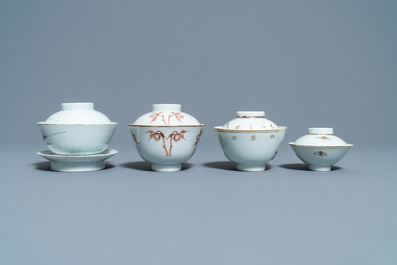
x,y
306,63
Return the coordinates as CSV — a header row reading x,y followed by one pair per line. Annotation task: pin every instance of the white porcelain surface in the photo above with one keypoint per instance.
x,y
77,130
250,120
79,163
320,137
250,140
166,148
320,149
166,115
78,113
69,139
163,145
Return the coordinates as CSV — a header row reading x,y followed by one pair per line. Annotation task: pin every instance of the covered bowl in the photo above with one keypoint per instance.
x,y
320,148
166,137
250,140
77,129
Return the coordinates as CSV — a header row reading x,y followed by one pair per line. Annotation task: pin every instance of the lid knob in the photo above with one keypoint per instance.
x,y
164,107
242,114
78,106
320,131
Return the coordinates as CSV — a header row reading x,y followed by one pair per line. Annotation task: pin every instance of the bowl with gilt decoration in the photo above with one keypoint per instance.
x,y
250,140
320,148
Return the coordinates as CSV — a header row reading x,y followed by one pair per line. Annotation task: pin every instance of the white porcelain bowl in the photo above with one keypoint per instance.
x,y
77,129
166,147
77,139
320,149
78,113
166,137
250,141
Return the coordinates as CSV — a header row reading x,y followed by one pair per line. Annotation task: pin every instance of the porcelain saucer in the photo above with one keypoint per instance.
x,y
75,163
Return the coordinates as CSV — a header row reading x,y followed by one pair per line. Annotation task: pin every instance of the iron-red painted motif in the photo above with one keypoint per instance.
x,y
175,136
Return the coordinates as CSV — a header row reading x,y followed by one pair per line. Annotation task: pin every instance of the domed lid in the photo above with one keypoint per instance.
x,y
78,113
166,115
320,137
250,120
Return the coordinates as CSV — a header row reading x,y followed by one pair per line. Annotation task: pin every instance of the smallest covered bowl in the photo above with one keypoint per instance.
x,y
166,137
77,129
320,148
250,140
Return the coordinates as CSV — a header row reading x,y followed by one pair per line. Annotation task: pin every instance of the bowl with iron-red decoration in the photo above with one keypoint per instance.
x,y
250,140
166,137
320,148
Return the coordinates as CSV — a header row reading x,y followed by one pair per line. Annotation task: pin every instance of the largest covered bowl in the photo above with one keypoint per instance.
x,y
78,129
250,140
166,137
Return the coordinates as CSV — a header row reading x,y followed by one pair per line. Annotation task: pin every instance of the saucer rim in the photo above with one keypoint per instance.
x,y
109,152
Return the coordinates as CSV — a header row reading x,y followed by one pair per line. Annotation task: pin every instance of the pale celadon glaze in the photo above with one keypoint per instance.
x,y
250,140
78,113
77,130
166,137
81,163
166,115
72,139
320,149
250,120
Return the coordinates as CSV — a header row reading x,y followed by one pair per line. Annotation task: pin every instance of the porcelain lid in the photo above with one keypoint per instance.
x,y
166,115
250,120
320,137
78,113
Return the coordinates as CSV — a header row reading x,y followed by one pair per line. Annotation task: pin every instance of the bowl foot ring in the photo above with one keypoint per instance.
x,y
320,168
166,168
77,167
253,168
